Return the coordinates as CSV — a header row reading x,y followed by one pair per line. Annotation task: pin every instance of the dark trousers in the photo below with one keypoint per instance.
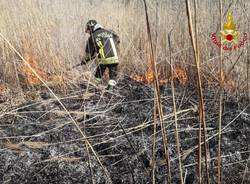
x,y
112,71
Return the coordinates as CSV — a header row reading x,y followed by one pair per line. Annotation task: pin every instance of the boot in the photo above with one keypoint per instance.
x,y
111,84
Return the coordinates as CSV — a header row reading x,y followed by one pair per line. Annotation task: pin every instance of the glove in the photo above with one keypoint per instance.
x,y
84,59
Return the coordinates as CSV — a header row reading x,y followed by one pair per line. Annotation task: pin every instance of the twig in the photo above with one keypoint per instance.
x,y
220,105
177,138
185,177
223,156
194,40
126,135
245,171
89,160
224,128
195,54
154,145
158,94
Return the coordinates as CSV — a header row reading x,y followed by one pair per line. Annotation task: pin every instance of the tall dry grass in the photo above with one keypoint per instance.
x,y
52,33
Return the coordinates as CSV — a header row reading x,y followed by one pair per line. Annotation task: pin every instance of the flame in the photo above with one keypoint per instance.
x,y
148,78
180,74
3,89
29,78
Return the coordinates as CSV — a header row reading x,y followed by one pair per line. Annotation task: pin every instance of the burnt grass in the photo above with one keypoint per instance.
x,y
39,143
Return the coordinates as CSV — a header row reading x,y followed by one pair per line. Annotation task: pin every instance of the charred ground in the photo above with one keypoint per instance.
x,y
39,144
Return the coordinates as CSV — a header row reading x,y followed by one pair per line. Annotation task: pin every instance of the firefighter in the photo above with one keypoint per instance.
x,y
102,45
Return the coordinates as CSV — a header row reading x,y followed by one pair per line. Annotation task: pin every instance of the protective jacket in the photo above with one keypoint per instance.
x,y
102,44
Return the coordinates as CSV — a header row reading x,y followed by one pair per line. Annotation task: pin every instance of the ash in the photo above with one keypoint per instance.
x,y
39,143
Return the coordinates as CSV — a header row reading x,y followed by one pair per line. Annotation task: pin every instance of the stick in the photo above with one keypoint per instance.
x,y
89,160
154,144
158,94
220,105
194,39
177,138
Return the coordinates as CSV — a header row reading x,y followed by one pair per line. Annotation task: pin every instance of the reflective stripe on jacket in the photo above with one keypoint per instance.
x,y
103,45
